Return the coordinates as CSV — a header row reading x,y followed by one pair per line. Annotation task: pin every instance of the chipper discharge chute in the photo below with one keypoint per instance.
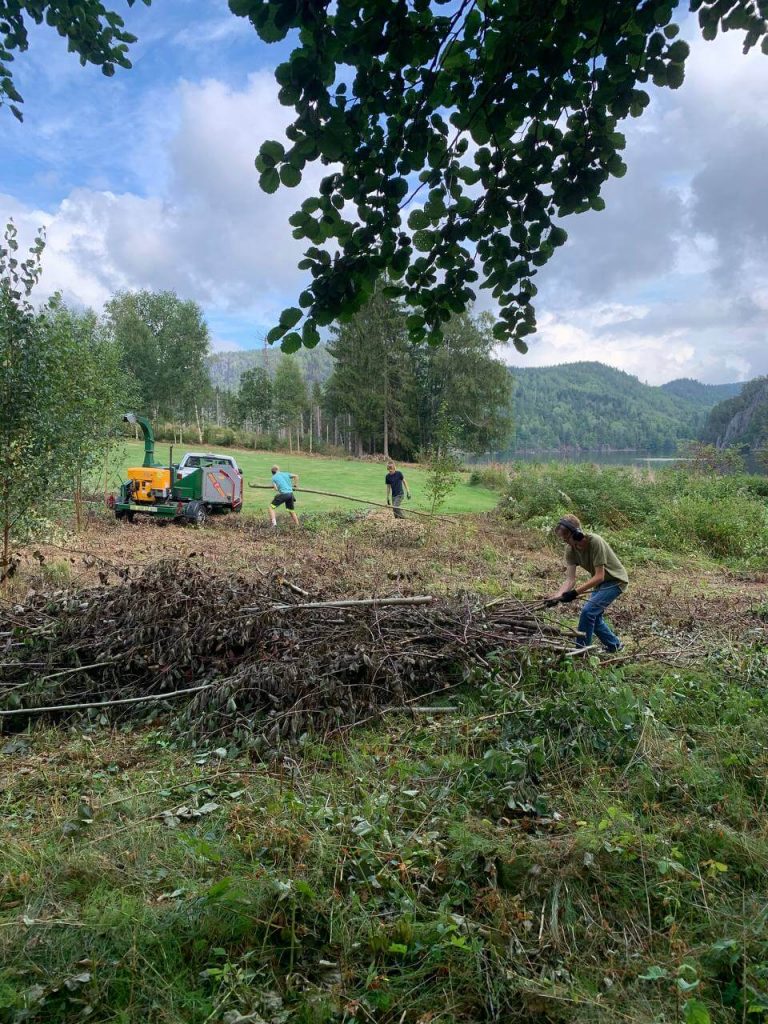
x,y
201,483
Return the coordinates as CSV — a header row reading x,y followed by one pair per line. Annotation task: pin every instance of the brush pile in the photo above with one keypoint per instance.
x,y
266,658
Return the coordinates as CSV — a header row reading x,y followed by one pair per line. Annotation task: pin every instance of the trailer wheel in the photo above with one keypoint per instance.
x,y
128,516
195,513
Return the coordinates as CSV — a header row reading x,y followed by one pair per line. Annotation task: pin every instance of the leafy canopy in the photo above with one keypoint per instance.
x,y
456,132
485,119
98,35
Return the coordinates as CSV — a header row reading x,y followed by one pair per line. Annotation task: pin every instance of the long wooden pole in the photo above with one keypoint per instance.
x,y
362,501
367,602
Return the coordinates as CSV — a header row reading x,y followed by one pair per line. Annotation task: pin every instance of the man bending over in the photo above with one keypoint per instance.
x,y
283,484
607,580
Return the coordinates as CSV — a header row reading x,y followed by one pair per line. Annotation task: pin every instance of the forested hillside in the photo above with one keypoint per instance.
x,y
592,406
226,368
574,405
740,420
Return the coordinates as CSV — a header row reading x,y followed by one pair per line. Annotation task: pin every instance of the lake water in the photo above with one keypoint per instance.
x,y
645,460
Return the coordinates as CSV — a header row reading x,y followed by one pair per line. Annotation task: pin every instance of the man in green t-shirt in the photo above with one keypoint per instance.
x,y
607,579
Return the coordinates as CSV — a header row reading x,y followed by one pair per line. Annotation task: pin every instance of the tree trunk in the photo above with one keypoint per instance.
x,y
386,410
199,427
78,500
6,525
311,424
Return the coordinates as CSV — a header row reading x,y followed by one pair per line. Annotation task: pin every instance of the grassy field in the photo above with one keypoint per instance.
x,y
344,476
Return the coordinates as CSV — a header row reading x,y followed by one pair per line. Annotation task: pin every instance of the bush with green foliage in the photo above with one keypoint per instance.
x,y
495,477
674,510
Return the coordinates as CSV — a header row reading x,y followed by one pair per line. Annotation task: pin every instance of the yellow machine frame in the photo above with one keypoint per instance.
x,y
150,482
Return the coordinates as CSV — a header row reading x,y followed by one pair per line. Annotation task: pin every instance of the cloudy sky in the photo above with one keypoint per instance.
x,y
146,180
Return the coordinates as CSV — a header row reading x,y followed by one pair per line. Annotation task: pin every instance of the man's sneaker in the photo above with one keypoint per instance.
x,y
613,650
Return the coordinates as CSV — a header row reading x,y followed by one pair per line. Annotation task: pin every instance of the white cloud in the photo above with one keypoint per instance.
x,y
211,235
223,345
683,242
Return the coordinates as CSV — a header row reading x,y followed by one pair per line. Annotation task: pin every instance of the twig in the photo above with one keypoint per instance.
x,y
108,703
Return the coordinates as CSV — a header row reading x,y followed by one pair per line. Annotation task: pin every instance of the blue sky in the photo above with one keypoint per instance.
x,y
146,180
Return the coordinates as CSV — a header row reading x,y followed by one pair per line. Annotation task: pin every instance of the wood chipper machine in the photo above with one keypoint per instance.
x,y
201,483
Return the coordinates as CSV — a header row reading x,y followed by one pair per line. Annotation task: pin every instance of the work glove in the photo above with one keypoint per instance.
x,y
569,595
388,501
408,495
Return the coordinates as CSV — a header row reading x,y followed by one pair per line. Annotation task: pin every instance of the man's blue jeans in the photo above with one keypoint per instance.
x,y
591,621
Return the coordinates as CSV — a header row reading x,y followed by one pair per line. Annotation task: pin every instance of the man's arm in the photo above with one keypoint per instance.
x,y
407,488
294,480
593,581
389,492
568,583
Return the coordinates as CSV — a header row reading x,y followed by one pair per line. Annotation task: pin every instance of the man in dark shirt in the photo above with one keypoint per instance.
x,y
395,482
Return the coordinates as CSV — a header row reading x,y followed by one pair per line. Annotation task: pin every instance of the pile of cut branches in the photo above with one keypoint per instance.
x,y
230,655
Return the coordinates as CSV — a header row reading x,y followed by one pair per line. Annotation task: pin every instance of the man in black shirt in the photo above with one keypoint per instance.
x,y
395,482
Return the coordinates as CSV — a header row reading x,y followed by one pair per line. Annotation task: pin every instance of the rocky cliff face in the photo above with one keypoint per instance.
x,y
741,420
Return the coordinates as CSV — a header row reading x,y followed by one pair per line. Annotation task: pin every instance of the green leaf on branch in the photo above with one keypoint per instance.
x,y
695,1012
291,342
290,317
270,180
290,175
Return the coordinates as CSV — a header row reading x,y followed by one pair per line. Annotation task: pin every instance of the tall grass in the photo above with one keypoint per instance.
x,y
723,517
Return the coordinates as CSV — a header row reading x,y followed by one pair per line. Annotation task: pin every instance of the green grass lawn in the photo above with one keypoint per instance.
x,y
344,476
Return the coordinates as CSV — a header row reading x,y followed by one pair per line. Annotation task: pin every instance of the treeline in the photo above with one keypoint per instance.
x,y
396,396
369,391
591,406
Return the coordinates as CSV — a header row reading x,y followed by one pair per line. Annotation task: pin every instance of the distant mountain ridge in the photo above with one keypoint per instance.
x,y
703,394
591,406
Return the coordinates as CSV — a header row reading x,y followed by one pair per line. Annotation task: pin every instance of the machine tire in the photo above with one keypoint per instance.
x,y
195,513
127,516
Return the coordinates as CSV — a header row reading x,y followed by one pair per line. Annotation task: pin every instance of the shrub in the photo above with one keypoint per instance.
x,y
218,435
732,526
723,516
610,497
495,477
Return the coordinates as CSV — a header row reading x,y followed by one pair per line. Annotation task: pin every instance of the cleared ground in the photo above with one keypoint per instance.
x,y
571,842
